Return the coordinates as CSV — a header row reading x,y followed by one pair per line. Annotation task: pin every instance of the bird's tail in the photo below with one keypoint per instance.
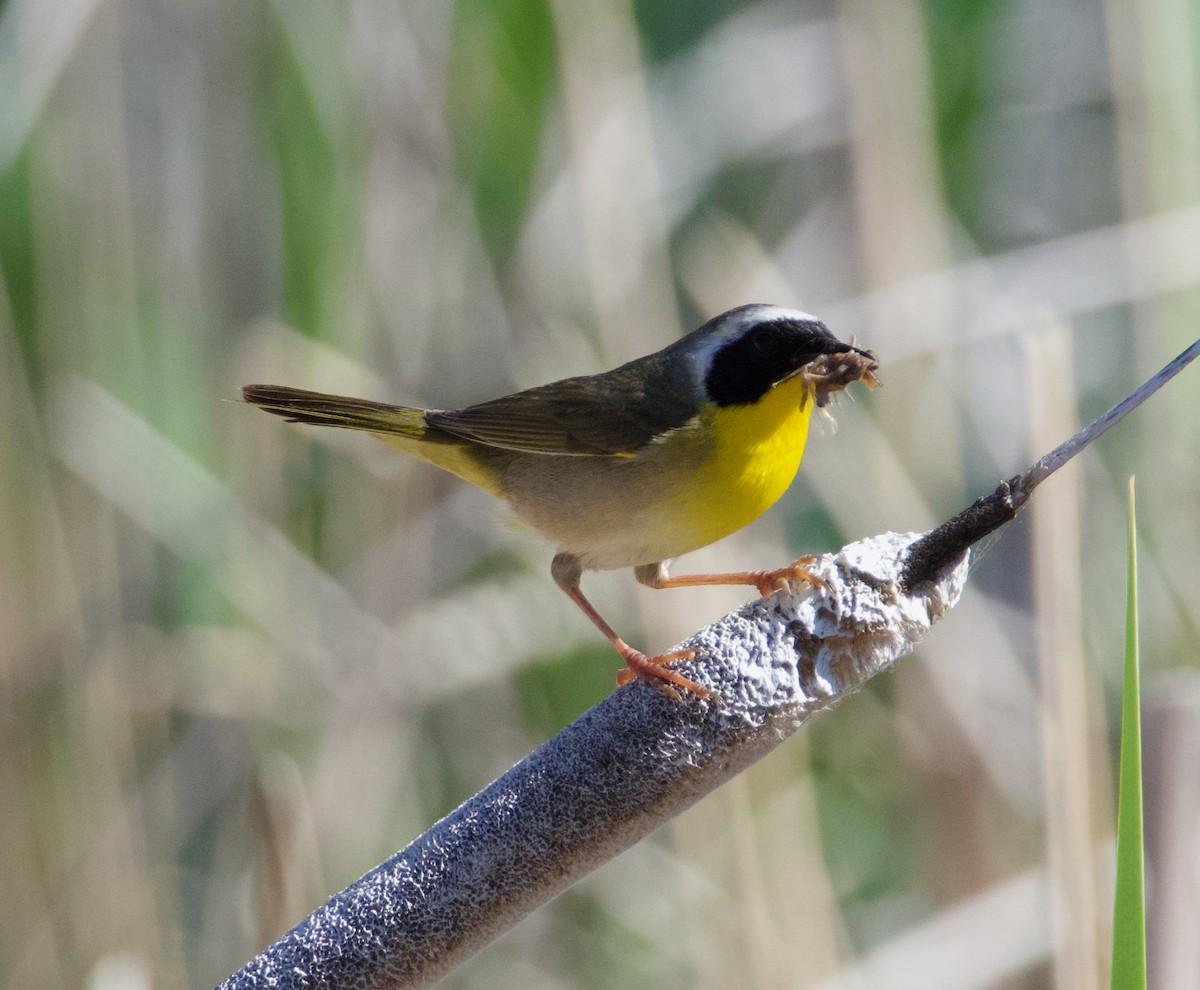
x,y
298,406
401,427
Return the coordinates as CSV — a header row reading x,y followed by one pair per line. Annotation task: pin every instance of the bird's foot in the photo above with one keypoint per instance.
x,y
656,672
780,579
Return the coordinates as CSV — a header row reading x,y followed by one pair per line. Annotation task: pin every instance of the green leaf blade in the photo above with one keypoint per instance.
x,y
1129,903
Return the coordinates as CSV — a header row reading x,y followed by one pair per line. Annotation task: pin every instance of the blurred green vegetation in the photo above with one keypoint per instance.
x,y
498,82
243,662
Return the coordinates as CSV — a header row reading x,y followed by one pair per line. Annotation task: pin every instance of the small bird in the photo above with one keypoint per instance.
x,y
638,465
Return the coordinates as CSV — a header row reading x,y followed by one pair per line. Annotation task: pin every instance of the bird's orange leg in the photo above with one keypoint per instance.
x,y
653,670
656,576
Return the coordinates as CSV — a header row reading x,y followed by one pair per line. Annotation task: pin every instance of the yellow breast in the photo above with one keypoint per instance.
x,y
756,453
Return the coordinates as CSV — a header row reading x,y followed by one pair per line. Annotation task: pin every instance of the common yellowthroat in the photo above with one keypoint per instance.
x,y
637,465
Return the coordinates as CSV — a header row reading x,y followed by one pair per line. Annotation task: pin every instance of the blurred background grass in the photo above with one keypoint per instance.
x,y
242,662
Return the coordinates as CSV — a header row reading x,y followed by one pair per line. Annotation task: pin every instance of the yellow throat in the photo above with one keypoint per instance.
x,y
757,453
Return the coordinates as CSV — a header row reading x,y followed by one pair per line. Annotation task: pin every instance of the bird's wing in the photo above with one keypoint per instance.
x,y
611,415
